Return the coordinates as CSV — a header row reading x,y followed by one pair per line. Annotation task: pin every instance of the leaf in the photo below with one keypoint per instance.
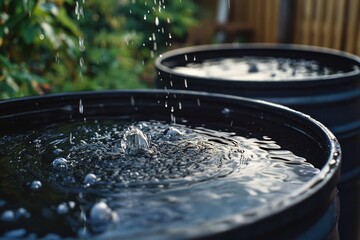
x,y
5,62
24,76
29,33
12,84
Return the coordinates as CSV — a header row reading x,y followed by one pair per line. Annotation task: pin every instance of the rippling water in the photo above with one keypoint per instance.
x,y
94,179
257,68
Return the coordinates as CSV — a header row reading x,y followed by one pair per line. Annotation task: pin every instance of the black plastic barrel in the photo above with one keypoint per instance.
x,y
310,212
334,100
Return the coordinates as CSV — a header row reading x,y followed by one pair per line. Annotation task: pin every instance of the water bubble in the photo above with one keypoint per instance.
x,y
58,151
226,112
60,164
134,141
62,209
22,212
35,185
42,36
15,234
90,178
8,216
336,155
172,133
101,216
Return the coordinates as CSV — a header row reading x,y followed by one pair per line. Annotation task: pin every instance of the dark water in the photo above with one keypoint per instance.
x,y
257,68
151,180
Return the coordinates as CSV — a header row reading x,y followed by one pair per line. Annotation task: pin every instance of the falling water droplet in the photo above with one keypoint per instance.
x,y
79,11
82,47
185,83
57,57
186,57
82,62
144,16
81,107
157,21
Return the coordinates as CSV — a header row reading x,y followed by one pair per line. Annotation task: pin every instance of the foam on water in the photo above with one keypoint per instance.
x,y
256,68
137,180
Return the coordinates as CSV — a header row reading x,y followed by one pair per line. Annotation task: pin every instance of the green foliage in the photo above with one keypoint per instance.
x,y
32,32
73,45
15,80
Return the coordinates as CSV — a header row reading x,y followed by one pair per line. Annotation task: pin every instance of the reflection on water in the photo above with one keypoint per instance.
x,y
256,68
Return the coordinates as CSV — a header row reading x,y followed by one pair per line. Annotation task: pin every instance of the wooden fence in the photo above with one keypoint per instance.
x,y
328,23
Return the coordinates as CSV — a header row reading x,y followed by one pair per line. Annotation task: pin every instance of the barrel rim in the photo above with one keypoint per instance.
x,y
293,48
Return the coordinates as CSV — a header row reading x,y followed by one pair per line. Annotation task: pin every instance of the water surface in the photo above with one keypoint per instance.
x,y
137,180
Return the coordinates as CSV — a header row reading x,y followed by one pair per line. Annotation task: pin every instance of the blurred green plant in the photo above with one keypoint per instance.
x,y
32,33
70,45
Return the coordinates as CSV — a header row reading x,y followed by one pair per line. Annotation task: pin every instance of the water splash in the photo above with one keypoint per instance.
x,y
134,141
